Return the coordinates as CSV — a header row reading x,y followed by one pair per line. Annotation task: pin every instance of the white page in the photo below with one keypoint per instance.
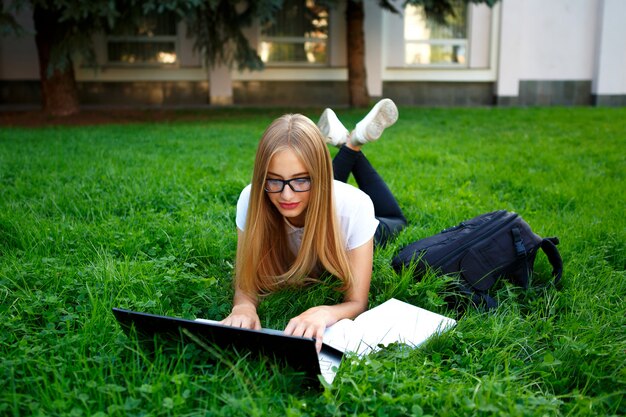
x,y
344,336
393,321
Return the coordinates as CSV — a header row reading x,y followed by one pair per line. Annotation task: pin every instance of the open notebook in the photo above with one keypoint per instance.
x,y
393,321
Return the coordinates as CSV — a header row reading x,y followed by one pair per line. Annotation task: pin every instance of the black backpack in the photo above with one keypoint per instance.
x,y
480,250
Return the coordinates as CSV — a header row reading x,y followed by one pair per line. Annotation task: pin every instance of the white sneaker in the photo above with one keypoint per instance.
x,y
382,115
332,129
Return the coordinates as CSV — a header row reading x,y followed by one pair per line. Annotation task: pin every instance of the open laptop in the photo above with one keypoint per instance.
x,y
297,352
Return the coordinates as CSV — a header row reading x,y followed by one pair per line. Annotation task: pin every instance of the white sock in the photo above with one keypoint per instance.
x,y
383,114
332,129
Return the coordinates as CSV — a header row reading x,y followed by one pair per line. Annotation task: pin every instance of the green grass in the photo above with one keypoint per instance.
x,y
141,216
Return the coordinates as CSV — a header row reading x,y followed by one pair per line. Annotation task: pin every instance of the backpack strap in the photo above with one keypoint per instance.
x,y
477,297
518,242
481,297
554,257
521,254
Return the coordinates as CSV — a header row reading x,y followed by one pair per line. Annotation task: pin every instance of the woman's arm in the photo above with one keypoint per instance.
x,y
314,321
244,312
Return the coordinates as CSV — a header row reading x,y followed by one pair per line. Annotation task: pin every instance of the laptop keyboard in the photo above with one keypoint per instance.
x,y
327,363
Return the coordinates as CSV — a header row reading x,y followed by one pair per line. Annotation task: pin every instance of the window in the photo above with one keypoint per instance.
x,y
298,35
151,41
427,42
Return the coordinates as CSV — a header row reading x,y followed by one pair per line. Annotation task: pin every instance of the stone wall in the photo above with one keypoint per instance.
x,y
15,94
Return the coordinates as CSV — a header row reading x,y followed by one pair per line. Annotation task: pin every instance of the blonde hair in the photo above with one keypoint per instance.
x,y
264,260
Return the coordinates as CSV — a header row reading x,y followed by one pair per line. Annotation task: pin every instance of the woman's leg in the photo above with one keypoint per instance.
x,y
343,163
350,159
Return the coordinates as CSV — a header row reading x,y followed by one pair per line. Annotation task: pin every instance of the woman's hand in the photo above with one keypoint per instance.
x,y
314,321
311,323
244,316
244,312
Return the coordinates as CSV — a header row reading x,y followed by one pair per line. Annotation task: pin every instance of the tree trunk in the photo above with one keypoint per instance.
x,y
357,77
59,92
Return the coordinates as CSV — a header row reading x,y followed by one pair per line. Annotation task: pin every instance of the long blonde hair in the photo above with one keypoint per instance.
x,y
264,260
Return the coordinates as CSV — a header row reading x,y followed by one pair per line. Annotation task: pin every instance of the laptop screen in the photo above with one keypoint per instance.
x,y
297,352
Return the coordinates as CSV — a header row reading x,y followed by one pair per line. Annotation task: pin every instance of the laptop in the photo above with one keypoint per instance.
x,y
297,352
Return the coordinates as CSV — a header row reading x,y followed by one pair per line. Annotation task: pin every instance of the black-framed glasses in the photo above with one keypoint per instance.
x,y
298,185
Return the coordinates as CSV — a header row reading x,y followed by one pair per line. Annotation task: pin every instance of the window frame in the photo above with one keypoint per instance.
x,y
460,42
296,40
108,38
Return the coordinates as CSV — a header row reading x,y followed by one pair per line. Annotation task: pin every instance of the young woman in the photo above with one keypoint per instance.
x,y
295,221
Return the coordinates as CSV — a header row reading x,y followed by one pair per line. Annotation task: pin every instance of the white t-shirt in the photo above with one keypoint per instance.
x,y
355,212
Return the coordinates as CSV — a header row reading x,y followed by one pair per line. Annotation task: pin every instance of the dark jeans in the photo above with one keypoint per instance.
x,y
386,208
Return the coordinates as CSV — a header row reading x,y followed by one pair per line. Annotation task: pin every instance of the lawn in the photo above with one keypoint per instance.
x,y
141,216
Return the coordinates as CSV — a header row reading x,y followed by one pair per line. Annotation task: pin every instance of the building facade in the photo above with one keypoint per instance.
x,y
520,52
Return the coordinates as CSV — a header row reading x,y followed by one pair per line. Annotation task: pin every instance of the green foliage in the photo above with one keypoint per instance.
x,y
438,10
8,24
72,22
142,216
216,25
217,28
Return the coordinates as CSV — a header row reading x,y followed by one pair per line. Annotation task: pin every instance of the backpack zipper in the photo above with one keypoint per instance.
x,y
486,233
